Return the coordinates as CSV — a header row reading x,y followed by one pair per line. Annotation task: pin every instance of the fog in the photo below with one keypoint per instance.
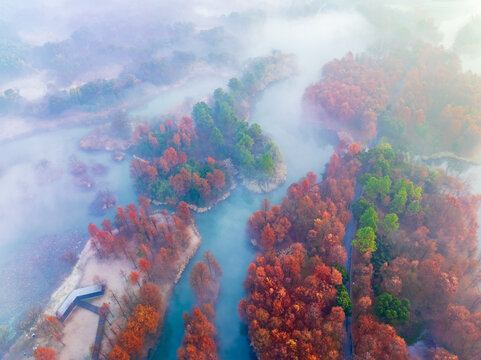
x,y
49,49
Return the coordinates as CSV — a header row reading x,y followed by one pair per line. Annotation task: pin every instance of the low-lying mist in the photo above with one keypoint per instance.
x,y
67,66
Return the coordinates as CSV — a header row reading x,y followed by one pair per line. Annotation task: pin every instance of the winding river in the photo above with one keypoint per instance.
x,y
61,208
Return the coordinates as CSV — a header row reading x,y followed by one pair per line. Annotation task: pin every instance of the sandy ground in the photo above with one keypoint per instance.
x,y
80,327
79,330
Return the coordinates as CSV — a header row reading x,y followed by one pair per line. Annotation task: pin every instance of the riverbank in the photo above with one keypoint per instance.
x,y
17,126
261,186
78,332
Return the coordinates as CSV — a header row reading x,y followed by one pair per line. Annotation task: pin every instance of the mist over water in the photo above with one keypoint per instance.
x,y
41,219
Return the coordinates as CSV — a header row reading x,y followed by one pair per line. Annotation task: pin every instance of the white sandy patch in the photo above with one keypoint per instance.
x,y
79,333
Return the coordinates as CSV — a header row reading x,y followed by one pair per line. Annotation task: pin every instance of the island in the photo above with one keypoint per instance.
x,y
197,158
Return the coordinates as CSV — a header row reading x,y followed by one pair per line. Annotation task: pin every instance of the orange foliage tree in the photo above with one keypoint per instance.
x,y
44,353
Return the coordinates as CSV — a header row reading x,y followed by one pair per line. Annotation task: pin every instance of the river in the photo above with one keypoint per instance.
x,y
40,222
305,146
223,228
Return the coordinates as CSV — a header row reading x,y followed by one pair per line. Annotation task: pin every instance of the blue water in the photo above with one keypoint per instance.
x,y
223,228
40,222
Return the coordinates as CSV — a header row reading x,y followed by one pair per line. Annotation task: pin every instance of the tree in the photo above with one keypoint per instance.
x,y
439,353
216,179
183,212
268,238
377,341
212,263
150,295
391,309
265,163
144,320
399,202
93,230
145,266
216,138
413,208
359,206
343,300
134,277
118,353
201,115
44,353
130,342
365,240
199,278
390,223
378,186
369,218
198,341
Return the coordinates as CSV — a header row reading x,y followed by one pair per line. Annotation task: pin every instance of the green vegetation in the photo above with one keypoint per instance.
x,y
343,300
365,239
359,206
184,160
390,223
392,310
369,219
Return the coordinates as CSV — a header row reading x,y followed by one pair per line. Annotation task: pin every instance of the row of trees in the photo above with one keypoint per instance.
x,y
199,340
153,243
296,298
414,266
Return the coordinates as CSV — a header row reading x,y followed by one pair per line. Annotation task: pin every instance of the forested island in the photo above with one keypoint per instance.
x,y
196,159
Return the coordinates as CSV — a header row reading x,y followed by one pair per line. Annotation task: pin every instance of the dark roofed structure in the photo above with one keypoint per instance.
x,y
76,296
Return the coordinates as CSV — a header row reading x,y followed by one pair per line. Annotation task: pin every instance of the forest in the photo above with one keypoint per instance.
x,y
296,300
415,270
195,159
417,99
204,180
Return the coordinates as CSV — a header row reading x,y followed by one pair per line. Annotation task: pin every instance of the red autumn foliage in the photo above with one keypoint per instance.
x,y
378,341
118,353
134,277
430,261
432,103
291,306
44,353
183,212
145,265
216,179
150,295
198,341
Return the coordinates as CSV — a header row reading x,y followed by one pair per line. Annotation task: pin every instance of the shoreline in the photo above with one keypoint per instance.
x,y
265,186
81,272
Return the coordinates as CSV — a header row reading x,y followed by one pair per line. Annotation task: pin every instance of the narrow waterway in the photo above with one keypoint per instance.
x,y
305,146
223,228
